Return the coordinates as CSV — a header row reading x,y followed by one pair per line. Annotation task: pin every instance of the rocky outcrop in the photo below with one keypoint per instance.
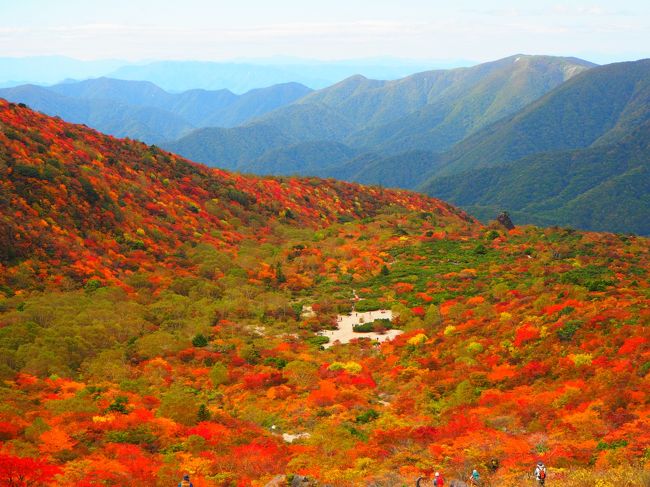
x,y
505,221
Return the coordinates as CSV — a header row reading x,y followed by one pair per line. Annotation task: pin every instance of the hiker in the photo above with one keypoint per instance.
x,y
438,481
494,465
474,478
185,482
540,473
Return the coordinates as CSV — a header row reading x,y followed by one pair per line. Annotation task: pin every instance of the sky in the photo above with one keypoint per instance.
x,y
477,30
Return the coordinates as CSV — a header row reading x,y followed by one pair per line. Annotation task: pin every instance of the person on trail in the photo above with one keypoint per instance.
x,y
475,478
540,473
438,481
185,482
494,465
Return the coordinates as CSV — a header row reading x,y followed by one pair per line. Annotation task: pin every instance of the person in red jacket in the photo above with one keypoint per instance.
x,y
438,480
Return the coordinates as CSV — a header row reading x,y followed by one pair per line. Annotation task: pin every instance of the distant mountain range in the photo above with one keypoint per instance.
x,y
238,76
579,156
552,140
48,70
241,77
142,110
426,111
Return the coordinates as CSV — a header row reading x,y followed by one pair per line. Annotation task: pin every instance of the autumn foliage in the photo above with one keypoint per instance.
x,y
158,317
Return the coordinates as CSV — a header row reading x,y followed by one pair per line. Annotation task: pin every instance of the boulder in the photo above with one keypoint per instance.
x,y
505,221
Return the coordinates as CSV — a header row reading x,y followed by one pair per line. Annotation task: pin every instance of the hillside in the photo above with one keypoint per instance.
x,y
405,170
230,148
114,117
309,158
601,188
425,111
256,103
238,147
566,159
141,110
47,161
482,93
160,317
598,106
453,104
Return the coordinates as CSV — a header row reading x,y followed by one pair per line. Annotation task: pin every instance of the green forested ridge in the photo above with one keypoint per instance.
x,y
598,106
401,170
228,148
301,158
115,117
378,116
309,121
239,147
601,188
557,178
141,110
471,99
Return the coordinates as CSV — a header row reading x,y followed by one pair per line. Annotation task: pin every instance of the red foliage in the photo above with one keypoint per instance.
x,y
418,310
525,334
403,287
632,344
8,430
25,472
263,379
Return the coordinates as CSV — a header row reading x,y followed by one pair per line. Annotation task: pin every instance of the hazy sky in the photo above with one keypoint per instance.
x,y
327,29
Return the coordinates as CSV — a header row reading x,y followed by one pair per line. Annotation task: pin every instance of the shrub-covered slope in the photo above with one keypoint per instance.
x,y
80,199
159,317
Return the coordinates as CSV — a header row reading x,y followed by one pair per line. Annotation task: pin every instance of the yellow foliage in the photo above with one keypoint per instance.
x,y
581,359
349,367
103,419
418,339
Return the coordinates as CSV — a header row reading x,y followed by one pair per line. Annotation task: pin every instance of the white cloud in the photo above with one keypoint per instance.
x,y
480,35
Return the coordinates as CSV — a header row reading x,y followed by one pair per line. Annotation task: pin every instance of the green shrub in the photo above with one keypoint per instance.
x,y
318,340
569,329
367,416
200,341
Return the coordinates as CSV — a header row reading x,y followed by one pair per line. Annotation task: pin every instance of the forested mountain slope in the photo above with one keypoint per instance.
x,y
142,110
601,105
578,156
117,118
606,187
428,110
